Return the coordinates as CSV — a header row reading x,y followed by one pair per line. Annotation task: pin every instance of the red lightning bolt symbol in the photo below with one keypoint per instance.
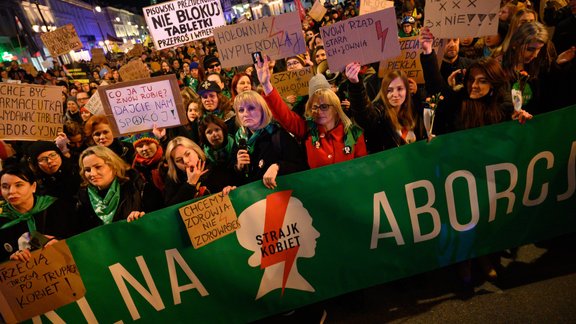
x,y
276,205
272,28
381,33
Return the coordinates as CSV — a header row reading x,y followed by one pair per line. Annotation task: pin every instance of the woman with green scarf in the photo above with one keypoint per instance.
x,y
328,134
265,150
112,191
29,221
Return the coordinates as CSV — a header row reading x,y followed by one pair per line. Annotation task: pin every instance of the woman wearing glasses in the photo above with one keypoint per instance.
x,y
57,176
330,136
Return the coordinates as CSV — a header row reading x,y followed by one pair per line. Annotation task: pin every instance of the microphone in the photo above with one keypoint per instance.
x,y
242,145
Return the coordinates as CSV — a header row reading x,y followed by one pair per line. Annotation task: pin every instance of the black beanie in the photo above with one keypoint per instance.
x,y
40,147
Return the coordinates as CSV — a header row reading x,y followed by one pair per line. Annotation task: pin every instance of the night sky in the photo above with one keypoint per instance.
x,y
134,6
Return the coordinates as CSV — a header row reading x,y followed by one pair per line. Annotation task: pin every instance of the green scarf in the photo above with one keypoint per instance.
x,y
41,203
105,208
242,133
222,154
350,137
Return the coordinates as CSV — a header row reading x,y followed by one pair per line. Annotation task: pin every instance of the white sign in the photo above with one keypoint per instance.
x,y
94,105
462,18
181,21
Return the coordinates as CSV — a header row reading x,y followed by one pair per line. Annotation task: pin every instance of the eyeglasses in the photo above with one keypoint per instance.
x,y
293,63
214,65
82,98
51,157
322,107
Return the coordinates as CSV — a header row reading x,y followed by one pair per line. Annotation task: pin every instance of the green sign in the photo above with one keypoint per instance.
x,y
336,229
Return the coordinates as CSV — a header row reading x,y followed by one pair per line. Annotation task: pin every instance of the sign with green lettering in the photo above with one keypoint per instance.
x,y
332,230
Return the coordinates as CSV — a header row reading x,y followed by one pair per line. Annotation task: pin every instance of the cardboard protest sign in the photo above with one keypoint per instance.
x,y
48,281
62,40
409,60
292,82
369,6
318,10
29,68
278,37
469,18
94,105
30,112
209,219
98,56
177,22
136,51
134,70
135,106
364,39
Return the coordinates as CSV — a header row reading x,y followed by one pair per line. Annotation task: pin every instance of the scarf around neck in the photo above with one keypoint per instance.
x,y
222,154
251,140
41,203
139,160
105,208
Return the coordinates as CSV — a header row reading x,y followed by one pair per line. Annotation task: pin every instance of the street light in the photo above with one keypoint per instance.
x,y
98,9
118,19
36,28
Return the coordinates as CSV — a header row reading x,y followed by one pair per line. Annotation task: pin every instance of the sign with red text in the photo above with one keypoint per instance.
x,y
181,21
49,280
409,59
363,39
209,219
369,6
136,106
278,37
470,18
62,40
30,112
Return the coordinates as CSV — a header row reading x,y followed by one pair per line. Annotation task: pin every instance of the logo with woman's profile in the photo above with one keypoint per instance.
x,y
278,230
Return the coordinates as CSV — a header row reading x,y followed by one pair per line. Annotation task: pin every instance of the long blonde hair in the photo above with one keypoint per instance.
x,y
187,143
119,166
328,96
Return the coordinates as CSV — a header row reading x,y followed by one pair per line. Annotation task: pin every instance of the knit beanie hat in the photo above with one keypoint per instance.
x,y
40,147
317,82
139,138
72,98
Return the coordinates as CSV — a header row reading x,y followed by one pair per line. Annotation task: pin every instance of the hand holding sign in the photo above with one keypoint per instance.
x,y
352,71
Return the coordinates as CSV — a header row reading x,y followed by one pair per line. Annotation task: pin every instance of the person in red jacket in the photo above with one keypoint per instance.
x,y
330,136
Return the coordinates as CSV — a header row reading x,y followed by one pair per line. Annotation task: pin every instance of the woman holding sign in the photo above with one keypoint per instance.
x,y
112,191
330,136
29,221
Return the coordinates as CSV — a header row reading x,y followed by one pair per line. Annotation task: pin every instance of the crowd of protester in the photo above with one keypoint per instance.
x,y
239,128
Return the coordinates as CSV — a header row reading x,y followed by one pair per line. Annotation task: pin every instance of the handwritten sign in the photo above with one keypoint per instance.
x,y
318,10
464,18
29,68
364,39
209,219
369,6
409,60
94,105
135,106
62,40
278,37
181,21
98,56
136,51
292,82
48,281
30,112
134,70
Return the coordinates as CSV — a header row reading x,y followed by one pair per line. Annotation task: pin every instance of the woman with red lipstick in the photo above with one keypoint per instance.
x,y
29,221
112,191
98,129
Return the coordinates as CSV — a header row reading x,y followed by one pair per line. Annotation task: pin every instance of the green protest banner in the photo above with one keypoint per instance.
x,y
328,231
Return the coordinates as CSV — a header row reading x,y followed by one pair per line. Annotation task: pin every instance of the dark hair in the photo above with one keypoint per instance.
x,y
488,109
211,119
405,117
18,169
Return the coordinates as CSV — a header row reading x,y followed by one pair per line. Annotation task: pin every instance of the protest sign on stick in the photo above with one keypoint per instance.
x,y
177,22
292,82
48,281
136,106
30,112
278,37
470,18
134,70
369,6
62,40
409,60
363,39
318,10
